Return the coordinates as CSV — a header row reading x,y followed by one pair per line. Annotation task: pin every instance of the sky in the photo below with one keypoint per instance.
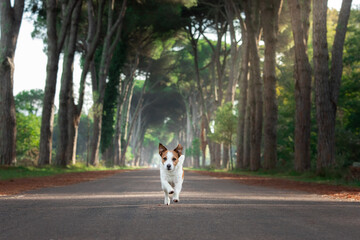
x,y
30,60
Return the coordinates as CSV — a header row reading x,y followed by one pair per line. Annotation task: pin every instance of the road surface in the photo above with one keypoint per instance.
x,y
129,205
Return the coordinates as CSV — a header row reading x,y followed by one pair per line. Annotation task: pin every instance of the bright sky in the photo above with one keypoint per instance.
x,y
30,60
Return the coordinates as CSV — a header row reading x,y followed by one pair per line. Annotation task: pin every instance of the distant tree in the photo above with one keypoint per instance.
x,y
27,104
143,41
199,19
10,21
225,128
28,135
83,139
194,151
29,101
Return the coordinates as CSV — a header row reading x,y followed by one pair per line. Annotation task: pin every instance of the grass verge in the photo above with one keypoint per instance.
x,y
9,172
331,178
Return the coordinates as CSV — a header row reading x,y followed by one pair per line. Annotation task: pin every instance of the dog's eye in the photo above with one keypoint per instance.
x,y
174,159
165,158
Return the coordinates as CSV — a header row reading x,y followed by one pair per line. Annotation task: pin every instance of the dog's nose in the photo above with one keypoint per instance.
x,y
168,166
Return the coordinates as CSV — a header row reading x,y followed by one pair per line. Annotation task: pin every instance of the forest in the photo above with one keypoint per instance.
x,y
241,84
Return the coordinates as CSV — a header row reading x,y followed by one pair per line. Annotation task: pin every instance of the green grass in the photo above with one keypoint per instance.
x,y
332,178
23,172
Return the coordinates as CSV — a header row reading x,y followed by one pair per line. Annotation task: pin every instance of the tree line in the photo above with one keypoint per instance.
x,y
251,83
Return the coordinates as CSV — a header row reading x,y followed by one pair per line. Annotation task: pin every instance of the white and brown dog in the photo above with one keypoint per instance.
x,y
171,172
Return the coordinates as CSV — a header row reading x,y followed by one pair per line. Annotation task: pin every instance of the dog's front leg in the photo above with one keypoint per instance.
x,y
166,187
167,198
177,190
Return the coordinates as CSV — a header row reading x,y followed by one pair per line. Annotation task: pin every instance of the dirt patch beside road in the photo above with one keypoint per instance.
x,y
14,186
333,191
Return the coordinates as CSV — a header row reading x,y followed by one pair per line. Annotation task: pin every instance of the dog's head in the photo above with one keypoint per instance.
x,y
171,158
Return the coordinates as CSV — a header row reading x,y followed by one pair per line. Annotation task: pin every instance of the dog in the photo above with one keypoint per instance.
x,y
171,172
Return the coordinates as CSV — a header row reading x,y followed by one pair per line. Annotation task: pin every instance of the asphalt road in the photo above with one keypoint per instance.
x,y
129,205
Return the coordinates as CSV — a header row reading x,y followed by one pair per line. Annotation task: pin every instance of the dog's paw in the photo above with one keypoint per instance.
x,y
167,201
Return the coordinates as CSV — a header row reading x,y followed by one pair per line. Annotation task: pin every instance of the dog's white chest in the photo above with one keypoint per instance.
x,y
173,177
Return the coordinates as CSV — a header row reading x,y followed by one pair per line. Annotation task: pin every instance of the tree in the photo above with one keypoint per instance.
x,y
252,12
112,37
232,12
270,14
65,148
143,40
225,127
243,85
69,111
27,104
55,41
209,15
28,136
10,21
348,110
29,101
302,73
327,81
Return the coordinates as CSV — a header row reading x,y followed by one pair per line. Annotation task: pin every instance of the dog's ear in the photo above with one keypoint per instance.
x,y
179,149
181,159
162,149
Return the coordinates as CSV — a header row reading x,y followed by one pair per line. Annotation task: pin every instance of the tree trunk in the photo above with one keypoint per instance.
x,y
95,140
322,86
302,88
74,120
255,142
136,114
243,82
270,12
203,142
55,44
119,121
10,21
226,157
139,108
256,102
231,13
111,40
205,119
74,113
196,115
124,100
217,153
127,111
189,136
64,121
246,159
327,87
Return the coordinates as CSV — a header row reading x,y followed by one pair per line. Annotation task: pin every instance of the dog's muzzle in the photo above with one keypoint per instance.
x,y
168,167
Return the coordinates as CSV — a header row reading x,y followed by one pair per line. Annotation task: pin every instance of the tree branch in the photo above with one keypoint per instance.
x,y
65,24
